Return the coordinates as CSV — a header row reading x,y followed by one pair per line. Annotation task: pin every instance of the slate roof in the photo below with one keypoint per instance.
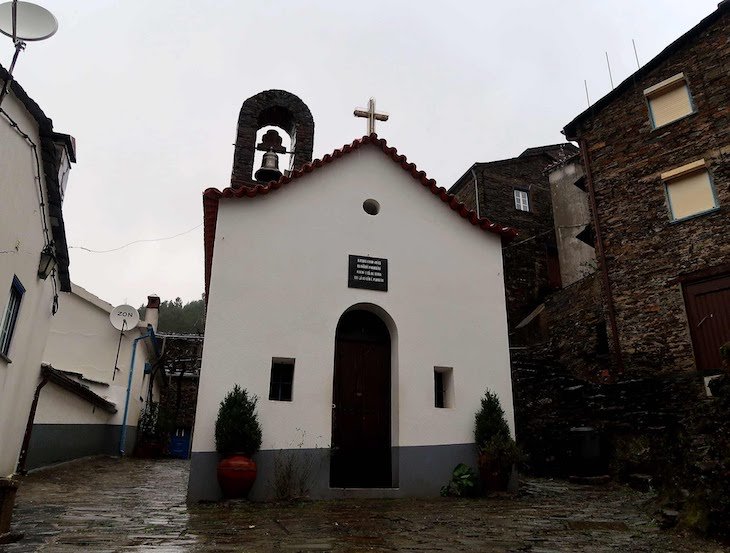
x,y
212,196
553,152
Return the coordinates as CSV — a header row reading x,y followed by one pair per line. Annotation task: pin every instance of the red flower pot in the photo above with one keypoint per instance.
x,y
236,475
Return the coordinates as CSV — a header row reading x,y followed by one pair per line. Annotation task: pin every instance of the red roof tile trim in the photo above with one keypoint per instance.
x,y
212,196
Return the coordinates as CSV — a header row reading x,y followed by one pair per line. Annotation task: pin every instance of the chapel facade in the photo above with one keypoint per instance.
x,y
361,303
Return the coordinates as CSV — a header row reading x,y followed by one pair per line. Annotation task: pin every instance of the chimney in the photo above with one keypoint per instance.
x,y
152,311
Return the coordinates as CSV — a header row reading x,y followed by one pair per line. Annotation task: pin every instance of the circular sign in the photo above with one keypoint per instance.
x,y
32,22
124,317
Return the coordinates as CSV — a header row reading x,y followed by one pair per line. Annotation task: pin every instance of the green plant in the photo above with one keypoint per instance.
x,y
463,482
503,451
725,351
490,421
154,422
237,428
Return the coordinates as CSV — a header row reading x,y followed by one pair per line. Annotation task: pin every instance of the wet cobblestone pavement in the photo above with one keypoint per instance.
x,y
110,505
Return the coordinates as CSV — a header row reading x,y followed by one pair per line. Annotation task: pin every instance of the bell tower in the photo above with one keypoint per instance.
x,y
277,108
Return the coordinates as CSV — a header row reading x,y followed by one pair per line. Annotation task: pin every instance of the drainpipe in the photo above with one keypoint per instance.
x,y
602,257
476,190
29,426
123,437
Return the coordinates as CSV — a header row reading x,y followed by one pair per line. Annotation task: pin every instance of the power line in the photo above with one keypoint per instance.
x,y
137,242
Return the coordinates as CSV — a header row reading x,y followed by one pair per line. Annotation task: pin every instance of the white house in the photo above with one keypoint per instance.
x,y
365,307
34,165
87,386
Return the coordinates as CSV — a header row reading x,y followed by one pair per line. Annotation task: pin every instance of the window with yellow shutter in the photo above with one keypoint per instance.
x,y
669,100
689,190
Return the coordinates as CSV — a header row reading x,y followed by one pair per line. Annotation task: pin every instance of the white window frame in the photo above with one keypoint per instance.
x,y
521,194
10,316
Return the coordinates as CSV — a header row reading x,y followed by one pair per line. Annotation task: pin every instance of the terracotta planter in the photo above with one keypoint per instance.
x,y
236,475
493,474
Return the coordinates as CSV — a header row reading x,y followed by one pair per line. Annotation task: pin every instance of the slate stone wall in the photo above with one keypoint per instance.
x,y
645,250
654,429
572,327
525,258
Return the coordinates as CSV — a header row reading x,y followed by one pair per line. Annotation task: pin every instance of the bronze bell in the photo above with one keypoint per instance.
x,y
269,168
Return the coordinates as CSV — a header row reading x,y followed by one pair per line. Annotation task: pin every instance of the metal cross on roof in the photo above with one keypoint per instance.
x,y
371,115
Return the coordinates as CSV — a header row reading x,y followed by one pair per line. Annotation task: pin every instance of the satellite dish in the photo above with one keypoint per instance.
x,y
32,22
124,317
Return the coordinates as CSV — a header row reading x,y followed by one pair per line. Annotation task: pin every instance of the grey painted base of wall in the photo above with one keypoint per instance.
x,y
56,443
418,471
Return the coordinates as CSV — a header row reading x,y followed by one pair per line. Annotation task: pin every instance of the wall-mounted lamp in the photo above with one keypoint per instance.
x,y
47,263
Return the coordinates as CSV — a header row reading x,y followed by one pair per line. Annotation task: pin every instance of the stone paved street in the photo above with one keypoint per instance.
x,y
133,505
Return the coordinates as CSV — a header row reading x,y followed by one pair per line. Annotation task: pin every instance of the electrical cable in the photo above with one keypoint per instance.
x,y
136,242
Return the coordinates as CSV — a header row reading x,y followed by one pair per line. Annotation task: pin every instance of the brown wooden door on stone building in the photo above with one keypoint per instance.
x,y
361,456
708,313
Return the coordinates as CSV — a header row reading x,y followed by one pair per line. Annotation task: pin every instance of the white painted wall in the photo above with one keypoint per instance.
x,y
82,340
59,406
21,242
279,287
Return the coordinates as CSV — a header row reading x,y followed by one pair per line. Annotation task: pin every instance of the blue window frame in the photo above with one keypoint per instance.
x,y
10,316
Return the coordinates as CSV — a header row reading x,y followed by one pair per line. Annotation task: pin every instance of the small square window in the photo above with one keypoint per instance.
x,y
11,315
669,100
522,200
282,379
689,190
443,384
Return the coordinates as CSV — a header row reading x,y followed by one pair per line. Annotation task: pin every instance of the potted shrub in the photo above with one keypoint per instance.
x,y
237,438
497,450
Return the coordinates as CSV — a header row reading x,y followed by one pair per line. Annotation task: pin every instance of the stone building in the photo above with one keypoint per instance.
x,y
655,151
518,192
332,296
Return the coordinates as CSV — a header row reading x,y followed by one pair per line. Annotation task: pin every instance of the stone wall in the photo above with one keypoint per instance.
x,y
573,329
645,250
654,430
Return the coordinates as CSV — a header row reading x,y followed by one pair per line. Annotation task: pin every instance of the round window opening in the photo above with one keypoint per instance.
x,y
371,207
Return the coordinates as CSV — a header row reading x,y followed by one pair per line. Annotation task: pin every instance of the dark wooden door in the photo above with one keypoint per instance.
x,y
708,313
361,403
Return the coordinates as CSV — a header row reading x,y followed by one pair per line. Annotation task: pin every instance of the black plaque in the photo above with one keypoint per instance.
x,y
370,273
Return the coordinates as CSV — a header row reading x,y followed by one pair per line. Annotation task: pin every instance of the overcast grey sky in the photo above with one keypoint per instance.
x,y
151,90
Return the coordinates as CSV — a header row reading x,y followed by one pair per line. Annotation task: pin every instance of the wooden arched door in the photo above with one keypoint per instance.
x,y
361,456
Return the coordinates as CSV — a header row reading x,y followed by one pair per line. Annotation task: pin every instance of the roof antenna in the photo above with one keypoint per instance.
x,y
585,83
638,65
608,63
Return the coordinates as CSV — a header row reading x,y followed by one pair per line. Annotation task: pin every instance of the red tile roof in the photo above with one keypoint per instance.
x,y
212,196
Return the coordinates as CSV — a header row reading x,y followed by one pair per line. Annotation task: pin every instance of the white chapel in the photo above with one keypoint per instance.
x,y
361,303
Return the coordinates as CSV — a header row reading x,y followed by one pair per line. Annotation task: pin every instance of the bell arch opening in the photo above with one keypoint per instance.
x,y
271,108
284,158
